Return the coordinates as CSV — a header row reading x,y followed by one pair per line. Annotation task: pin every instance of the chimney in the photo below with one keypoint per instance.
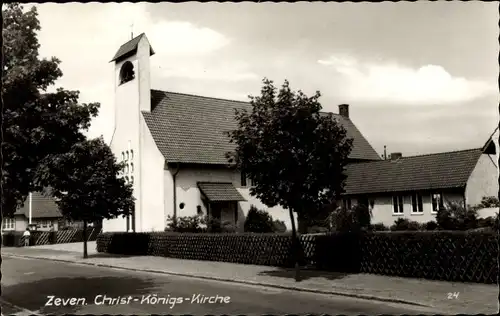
x,y
396,156
344,110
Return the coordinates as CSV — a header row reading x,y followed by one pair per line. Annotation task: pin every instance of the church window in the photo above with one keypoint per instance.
x,y
127,72
131,154
131,167
127,155
123,156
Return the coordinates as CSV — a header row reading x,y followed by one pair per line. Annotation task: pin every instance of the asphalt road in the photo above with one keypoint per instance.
x,y
29,283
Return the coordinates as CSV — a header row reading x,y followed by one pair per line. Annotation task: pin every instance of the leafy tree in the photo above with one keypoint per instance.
x,y
258,221
36,124
294,154
86,184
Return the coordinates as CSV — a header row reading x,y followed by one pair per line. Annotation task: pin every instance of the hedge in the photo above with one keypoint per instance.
x,y
16,239
436,255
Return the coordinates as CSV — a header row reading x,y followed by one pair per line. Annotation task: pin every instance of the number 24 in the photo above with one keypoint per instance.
x,y
453,295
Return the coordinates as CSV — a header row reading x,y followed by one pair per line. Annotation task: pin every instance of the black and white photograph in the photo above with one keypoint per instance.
x,y
252,158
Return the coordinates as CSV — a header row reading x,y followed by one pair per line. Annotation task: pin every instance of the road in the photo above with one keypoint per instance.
x,y
28,283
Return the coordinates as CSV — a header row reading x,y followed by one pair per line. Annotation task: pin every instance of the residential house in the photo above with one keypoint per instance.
x,y
174,146
44,214
416,187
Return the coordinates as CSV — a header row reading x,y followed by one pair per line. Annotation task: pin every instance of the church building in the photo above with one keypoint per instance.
x,y
174,147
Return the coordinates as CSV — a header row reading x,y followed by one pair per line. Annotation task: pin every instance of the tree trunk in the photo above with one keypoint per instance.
x,y
295,247
303,225
85,254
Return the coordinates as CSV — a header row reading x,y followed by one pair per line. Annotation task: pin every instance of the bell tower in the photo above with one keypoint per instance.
x,y
132,94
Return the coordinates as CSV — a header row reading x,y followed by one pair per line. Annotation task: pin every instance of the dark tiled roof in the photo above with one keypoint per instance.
x,y
41,207
425,172
129,48
219,192
190,129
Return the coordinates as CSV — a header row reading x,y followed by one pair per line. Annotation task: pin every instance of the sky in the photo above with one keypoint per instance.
x,y
420,77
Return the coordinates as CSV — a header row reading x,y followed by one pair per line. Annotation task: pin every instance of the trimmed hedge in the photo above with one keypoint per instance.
x,y
437,255
16,239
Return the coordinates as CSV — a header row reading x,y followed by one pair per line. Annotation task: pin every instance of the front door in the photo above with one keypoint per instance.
x,y
224,211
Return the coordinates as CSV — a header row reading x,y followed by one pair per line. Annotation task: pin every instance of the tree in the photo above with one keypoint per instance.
x,y
294,154
86,184
36,124
258,221
489,201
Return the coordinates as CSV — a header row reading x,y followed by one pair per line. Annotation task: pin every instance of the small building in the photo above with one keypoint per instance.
x,y
44,215
416,187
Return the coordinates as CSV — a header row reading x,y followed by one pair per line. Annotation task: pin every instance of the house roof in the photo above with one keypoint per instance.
x,y
489,146
41,207
129,48
220,191
190,128
425,172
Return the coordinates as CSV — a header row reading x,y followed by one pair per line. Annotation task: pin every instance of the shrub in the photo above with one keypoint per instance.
x,y
431,225
402,224
457,217
379,227
258,221
185,224
279,226
215,225
354,219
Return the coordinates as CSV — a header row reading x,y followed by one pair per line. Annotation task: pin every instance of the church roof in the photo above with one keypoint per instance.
x,y
129,48
191,129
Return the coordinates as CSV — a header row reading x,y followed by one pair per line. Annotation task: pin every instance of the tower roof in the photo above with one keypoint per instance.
x,y
130,48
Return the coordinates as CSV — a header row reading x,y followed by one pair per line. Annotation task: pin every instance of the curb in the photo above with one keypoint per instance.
x,y
271,285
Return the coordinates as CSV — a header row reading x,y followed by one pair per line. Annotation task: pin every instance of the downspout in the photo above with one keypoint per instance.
x,y
174,177
465,198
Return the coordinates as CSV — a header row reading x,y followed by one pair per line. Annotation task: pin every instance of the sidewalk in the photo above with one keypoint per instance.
x,y
472,299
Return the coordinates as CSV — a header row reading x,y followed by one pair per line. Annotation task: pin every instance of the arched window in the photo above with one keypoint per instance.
x,y
126,169
131,154
127,155
127,72
123,156
131,168
132,179
126,179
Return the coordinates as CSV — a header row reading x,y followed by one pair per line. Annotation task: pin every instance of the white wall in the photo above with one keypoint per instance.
x,y
189,194
483,181
383,209
152,182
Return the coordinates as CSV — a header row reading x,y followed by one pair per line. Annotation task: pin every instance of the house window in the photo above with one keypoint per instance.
x,y
347,203
243,179
127,72
8,223
397,205
44,223
417,206
437,202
